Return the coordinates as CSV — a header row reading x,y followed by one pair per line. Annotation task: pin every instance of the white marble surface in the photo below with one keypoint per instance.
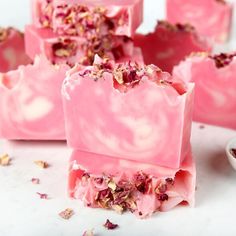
x,y
22,213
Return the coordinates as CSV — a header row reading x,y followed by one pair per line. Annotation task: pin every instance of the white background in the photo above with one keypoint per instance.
x,y
23,214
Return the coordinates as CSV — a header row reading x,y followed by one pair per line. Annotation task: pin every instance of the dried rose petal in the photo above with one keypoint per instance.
x,y
112,185
64,48
110,226
176,27
233,152
3,34
88,233
35,180
162,197
43,195
5,160
170,181
201,127
223,59
66,214
42,164
117,208
162,188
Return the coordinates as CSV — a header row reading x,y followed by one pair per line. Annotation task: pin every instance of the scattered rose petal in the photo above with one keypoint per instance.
x,y
88,233
43,195
66,214
35,180
42,164
5,160
233,152
201,127
109,225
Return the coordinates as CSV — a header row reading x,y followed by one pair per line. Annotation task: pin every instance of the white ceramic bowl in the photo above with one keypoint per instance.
x,y
232,159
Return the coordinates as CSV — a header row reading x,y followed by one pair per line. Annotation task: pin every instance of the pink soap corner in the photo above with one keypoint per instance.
x,y
73,49
105,182
214,77
212,18
121,17
146,120
30,102
169,44
12,49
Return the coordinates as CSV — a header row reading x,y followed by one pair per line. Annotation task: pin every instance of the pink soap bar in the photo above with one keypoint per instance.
x,y
73,49
12,49
87,18
169,44
122,185
129,111
214,76
30,102
212,18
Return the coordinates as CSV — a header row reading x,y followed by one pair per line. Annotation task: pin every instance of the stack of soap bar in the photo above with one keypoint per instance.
x,y
12,49
212,18
169,44
69,31
129,111
215,95
30,102
121,185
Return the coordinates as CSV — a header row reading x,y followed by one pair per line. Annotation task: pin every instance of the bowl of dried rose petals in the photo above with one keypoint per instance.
x,y
231,152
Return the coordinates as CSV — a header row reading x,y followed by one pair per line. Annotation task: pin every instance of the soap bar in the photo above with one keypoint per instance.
x,y
215,95
128,110
121,185
88,17
74,49
12,49
169,44
212,18
30,102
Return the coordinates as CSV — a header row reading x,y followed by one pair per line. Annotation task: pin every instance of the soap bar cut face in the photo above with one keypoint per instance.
x,y
88,17
121,185
128,110
215,93
73,49
212,18
169,44
12,49
30,102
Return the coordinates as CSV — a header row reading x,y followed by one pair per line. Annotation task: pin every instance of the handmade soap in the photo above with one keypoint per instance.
x,y
12,49
121,185
212,18
215,94
169,44
74,49
128,111
88,18
30,102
